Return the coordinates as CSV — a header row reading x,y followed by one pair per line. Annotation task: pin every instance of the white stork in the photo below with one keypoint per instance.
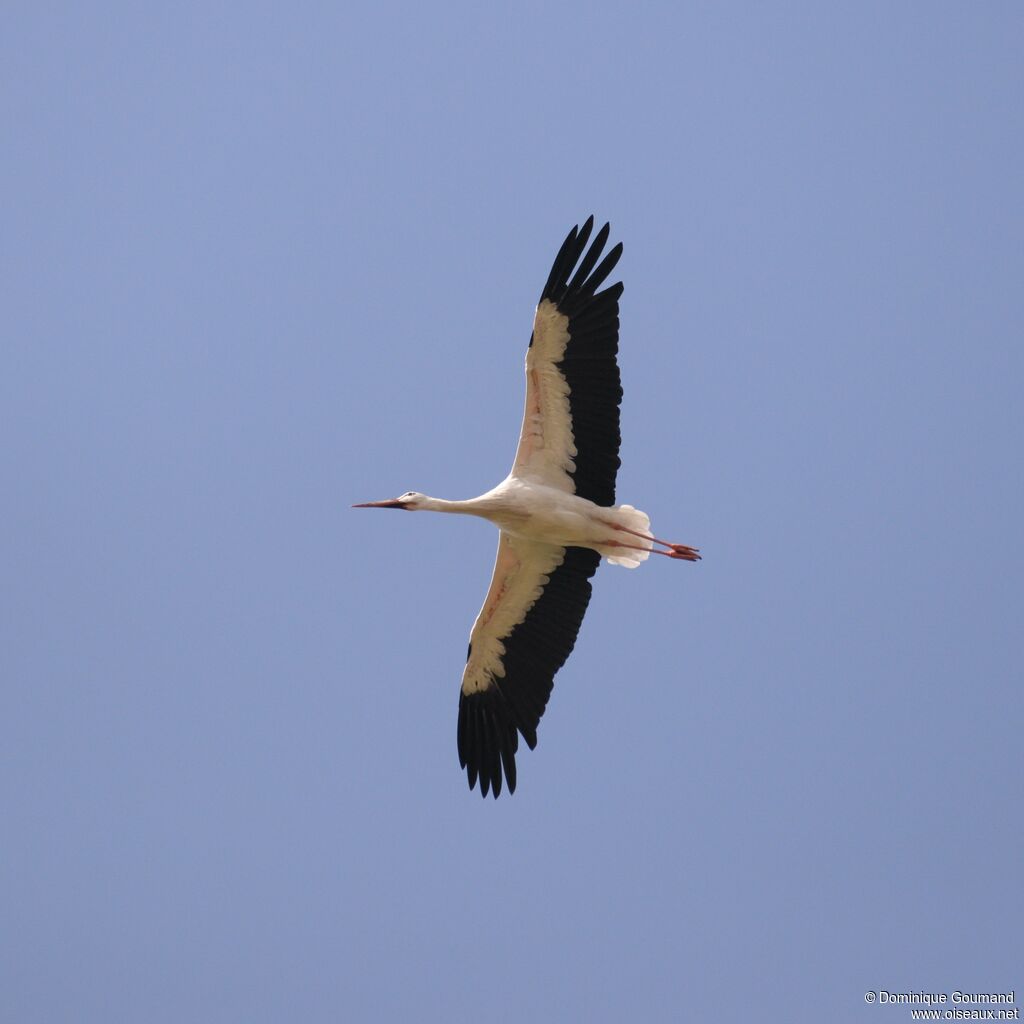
x,y
556,512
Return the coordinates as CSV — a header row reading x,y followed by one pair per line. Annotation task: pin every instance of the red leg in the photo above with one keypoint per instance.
x,y
676,550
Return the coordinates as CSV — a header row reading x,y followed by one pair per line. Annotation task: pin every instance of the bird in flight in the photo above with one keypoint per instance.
x,y
555,510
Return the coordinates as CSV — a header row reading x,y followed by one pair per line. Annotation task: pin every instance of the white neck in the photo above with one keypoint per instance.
x,y
471,507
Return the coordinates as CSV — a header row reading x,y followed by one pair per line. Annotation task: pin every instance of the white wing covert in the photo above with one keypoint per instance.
x,y
526,629
570,435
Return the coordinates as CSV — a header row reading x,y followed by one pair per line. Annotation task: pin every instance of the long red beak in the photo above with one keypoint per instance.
x,y
392,503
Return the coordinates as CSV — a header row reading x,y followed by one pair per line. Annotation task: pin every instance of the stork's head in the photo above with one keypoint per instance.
x,y
410,501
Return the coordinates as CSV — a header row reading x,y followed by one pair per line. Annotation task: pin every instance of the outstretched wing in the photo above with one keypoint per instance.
x,y
521,638
570,435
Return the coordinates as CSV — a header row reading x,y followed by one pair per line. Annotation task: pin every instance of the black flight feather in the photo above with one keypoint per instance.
x,y
535,650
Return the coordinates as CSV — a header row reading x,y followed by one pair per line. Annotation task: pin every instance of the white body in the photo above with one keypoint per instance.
x,y
534,511
537,501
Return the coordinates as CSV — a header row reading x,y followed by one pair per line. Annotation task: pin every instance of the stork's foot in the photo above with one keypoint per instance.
x,y
683,551
674,550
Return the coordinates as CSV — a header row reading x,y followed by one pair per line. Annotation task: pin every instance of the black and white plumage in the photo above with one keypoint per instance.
x,y
556,512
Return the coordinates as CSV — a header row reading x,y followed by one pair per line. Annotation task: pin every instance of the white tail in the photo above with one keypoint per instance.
x,y
632,519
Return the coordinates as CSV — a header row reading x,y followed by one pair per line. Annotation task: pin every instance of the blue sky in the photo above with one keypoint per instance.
x,y
261,262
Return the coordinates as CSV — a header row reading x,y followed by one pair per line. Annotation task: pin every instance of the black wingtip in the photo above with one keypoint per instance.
x,y
588,226
487,741
560,261
588,261
568,294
